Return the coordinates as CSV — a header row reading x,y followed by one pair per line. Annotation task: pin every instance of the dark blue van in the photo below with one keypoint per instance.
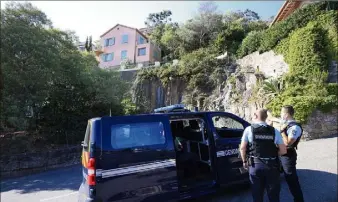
x,y
170,155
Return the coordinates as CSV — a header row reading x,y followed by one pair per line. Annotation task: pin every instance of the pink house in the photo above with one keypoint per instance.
x,y
121,43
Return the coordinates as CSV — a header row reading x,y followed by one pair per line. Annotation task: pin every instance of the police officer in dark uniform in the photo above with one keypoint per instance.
x,y
291,133
260,146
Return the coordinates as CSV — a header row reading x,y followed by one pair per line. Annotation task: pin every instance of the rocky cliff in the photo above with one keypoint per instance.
x,y
237,95
241,93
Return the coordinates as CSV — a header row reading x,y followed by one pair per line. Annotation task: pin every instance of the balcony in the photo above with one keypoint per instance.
x,y
98,50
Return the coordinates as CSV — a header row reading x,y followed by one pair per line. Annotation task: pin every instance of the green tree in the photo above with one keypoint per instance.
x,y
159,23
236,27
202,29
89,44
46,74
250,43
229,38
171,41
157,19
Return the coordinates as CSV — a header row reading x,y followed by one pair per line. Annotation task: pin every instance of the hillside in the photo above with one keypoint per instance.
x,y
302,49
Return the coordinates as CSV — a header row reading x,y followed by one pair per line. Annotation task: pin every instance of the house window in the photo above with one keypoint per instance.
x,y
107,57
141,51
109,42
123,54
141,40
125,38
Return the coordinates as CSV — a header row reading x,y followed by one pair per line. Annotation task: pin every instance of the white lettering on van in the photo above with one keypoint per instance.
x,y
229,152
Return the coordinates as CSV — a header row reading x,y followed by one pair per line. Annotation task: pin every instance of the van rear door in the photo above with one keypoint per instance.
x,y
136,159
228,130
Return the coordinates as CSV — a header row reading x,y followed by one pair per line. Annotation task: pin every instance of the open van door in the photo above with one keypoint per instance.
x,y
136,159
228,130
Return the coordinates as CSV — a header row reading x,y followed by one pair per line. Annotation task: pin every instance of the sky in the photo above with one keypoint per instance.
x,y
96,17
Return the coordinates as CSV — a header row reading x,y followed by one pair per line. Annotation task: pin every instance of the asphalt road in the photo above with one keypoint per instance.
x,y
317,170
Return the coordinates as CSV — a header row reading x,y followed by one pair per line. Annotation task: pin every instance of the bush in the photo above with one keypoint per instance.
x,y
306,89
270,38
250,43
298,19
332,88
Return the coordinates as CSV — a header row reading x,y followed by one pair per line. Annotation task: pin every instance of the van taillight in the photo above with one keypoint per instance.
x,y
91,171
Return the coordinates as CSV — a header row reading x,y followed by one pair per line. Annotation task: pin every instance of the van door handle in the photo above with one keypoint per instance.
x,y
137,150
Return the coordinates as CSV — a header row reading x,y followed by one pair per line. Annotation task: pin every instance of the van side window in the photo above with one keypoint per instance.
x,y
137,135
87,135
223,122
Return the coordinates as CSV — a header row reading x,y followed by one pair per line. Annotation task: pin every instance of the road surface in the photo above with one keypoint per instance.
x,y
317,170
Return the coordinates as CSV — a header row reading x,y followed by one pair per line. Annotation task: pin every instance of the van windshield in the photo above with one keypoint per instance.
x,y
136,135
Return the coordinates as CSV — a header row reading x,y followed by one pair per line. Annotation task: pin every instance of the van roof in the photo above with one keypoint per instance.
x,y
169,113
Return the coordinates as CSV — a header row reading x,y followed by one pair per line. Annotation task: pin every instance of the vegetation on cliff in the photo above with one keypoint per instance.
x,y
307,39
309,51
196,44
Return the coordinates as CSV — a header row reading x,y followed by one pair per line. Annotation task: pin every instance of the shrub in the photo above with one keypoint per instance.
x,y
250,43
298,19
270,38
305,52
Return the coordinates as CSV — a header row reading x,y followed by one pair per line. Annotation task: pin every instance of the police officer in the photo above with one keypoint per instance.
x,y
262,144
291,133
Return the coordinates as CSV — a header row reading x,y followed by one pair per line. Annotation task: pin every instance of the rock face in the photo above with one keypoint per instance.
x,y
333,72
235,94
156,95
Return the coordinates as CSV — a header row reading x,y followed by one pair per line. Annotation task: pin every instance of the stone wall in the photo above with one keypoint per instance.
x,y
129,74
321,124
271,64
28,163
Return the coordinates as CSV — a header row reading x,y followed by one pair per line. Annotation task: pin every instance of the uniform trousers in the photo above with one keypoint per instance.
x,y
265,175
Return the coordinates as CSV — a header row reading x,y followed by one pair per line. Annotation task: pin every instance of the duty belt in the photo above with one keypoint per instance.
x,y
273,158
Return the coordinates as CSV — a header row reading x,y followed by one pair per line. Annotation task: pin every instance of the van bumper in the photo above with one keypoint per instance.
x,y
87,200
83,198
83,195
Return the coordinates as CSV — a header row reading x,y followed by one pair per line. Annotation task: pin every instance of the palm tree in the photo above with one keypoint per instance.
x,y
271,88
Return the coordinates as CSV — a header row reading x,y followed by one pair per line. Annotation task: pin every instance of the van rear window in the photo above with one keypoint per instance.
x,y
137,135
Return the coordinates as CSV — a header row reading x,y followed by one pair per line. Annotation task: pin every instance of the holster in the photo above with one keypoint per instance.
x,y
251,161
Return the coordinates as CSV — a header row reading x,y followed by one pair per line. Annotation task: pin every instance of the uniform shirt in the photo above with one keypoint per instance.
x,y
293,132
248,136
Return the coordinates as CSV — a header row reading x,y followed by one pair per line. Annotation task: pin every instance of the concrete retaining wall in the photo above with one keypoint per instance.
x,y
29,163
